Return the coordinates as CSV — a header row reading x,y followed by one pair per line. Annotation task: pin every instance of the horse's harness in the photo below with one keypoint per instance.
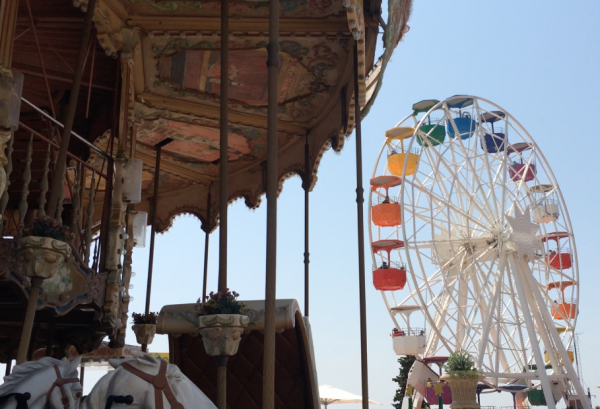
x,y
160,383
60,382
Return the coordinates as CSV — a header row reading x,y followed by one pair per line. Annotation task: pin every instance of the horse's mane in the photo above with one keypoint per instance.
x,y
22,372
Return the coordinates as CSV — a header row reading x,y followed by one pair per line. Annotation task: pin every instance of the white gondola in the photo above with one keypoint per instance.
x,y
546,210
408,340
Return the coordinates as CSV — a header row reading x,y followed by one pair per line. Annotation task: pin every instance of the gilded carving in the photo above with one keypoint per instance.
x,y
221,333
43,255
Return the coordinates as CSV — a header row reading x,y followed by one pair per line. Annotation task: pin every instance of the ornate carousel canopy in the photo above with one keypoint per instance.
x,y
175,77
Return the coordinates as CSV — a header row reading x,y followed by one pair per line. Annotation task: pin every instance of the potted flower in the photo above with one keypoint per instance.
x,y
144,327
462,377
221,323
44,247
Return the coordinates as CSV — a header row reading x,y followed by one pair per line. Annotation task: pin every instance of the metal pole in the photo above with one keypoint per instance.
x,y
208,200
61,161
361,240
158,147
222,381
223,190
107,205
273,65
306,186
34,293
224,146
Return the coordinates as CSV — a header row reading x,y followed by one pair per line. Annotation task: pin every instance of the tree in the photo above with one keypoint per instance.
x,y
406,362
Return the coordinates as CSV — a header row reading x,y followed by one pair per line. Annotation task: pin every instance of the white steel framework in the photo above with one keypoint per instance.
x,y
488,279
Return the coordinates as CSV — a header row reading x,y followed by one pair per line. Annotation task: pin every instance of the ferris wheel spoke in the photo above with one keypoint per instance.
x,y
499,212
459,184
441,200
475,177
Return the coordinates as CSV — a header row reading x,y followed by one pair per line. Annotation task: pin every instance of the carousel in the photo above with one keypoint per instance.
x,y
114,119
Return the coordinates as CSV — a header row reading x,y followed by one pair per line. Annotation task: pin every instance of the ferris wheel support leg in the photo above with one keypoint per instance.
x,y
517,271
487,325
543,326
557,341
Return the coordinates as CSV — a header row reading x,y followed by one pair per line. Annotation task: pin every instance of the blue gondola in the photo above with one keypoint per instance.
x,y
463,122
496,141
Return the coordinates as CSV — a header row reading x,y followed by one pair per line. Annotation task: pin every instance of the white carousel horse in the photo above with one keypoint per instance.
x,y
154,384
53,384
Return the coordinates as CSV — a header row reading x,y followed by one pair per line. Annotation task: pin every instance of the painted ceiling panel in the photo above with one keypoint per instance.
x,y
191,142
200,71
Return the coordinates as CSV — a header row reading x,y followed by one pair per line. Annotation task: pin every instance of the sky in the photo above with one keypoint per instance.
x,y
537,59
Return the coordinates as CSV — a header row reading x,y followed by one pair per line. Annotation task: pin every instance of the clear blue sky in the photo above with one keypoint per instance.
x,y
537,59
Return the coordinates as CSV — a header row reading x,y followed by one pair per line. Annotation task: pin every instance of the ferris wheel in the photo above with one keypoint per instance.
x,y
473,247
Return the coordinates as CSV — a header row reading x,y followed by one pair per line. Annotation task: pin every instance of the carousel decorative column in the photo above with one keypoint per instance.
x,y
116,226
273,65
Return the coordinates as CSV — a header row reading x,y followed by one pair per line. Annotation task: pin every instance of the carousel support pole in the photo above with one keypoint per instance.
x,y
222,381
205,279
273,65
224,147
34,293
306,186
61,161
223,189
361,239
81,375
8,24
158,147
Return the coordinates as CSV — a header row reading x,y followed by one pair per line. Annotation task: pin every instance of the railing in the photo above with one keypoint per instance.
x,y
32,154
402,332
377,200
392,264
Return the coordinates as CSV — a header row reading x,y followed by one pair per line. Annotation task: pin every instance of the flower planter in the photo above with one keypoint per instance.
x,y
144,333
464,391
43,256
222,333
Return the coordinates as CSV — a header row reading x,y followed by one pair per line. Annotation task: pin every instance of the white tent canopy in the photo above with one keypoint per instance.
x,y
330,395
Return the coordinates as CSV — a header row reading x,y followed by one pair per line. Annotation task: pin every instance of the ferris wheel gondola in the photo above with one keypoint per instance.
x,y
484,278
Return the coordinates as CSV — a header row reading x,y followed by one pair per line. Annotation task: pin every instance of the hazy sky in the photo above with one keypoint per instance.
x,y
537,59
